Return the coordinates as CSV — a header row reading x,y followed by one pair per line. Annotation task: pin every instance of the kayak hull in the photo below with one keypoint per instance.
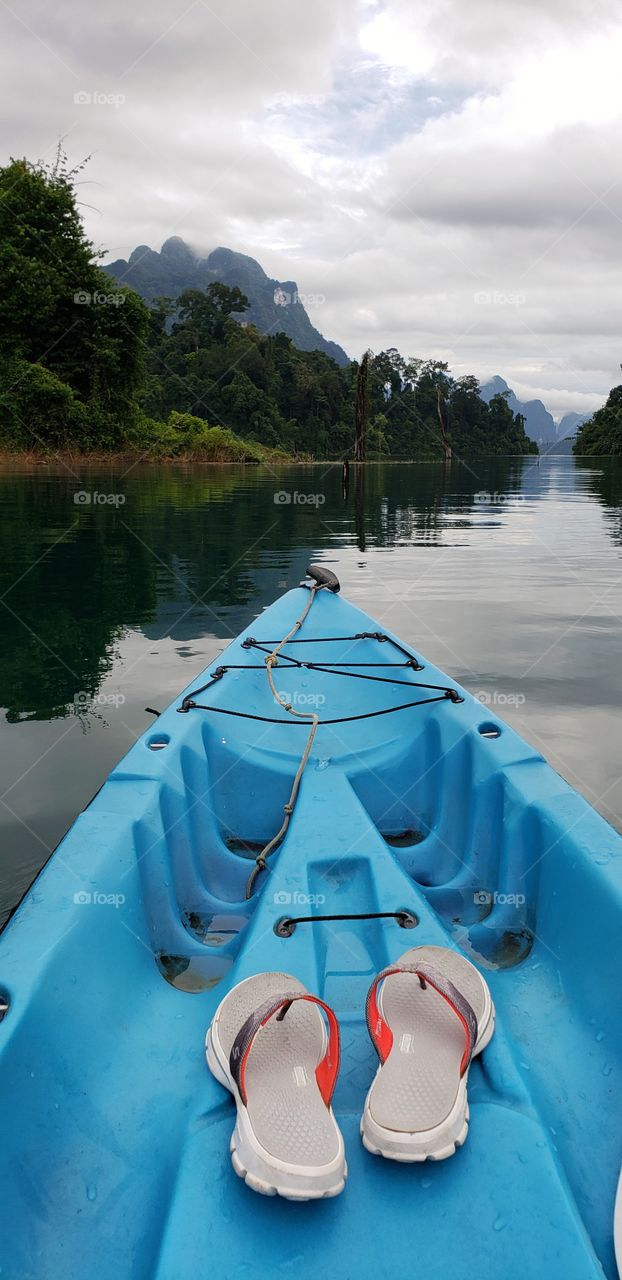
x,y
113,1128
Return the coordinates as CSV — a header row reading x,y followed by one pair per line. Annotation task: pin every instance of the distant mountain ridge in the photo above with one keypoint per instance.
x,y
275,305
539,423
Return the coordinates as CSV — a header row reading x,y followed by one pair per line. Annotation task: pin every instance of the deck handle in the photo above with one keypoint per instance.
x,y
324,577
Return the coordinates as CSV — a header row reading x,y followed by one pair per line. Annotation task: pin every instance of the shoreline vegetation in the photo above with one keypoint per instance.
x,y
136,457
88,369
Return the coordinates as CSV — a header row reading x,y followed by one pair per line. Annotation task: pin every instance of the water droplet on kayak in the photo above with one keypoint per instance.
x,y
600,859
499,1224
525,1066
540,1143
607,1069
600,1036
323,764
425,1183
91,1193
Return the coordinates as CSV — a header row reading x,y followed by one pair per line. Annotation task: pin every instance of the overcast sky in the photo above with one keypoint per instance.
x,y
445,174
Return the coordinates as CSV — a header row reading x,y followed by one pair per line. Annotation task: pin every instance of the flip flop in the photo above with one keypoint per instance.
x,y
428,1015
268,1045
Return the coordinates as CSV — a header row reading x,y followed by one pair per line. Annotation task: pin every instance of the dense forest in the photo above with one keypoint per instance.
x,y
86,365
602,434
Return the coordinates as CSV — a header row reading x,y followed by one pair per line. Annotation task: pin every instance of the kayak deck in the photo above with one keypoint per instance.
x,y
113,1128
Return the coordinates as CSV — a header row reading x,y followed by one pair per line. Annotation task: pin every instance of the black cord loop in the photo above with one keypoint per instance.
x,y
286,926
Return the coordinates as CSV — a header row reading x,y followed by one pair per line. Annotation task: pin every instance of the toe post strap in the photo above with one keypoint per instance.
x,y
380,1031
327,1069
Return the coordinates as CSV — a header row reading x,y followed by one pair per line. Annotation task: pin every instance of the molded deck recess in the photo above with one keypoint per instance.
x,y
158,742
489,730
5,1004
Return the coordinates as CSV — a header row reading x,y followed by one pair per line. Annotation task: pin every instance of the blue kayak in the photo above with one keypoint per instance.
x,y
419,818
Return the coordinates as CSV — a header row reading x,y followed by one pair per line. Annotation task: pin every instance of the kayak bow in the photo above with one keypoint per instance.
x,y
209,856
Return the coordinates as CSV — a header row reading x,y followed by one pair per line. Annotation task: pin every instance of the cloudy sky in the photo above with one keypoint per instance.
x,y
446,176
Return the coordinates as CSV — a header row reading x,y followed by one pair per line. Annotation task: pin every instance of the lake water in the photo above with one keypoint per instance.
x,y
119,586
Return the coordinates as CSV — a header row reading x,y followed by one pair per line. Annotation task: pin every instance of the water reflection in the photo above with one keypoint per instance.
x,y
604,480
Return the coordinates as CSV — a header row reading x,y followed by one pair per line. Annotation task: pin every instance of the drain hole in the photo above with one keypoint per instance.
x,y
489,730
193,973
213,930
403,839
158,742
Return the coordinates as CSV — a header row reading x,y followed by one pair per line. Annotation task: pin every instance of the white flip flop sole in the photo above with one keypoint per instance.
x,y
417,1107
286,1141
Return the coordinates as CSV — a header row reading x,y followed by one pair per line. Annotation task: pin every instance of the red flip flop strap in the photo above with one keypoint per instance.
x,y
380,1031
326,1071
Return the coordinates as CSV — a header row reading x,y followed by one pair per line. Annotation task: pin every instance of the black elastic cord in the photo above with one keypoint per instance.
x,y
365,715
329,671
406,920
251,643
380,636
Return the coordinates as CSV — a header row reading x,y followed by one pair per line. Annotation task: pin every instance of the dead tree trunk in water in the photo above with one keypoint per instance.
x,y
361,409
440,405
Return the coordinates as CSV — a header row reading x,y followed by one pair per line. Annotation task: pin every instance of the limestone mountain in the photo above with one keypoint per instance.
x,y
275,305
539,423
570,423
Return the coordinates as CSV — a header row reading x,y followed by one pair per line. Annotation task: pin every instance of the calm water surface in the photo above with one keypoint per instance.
x,y
506,574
